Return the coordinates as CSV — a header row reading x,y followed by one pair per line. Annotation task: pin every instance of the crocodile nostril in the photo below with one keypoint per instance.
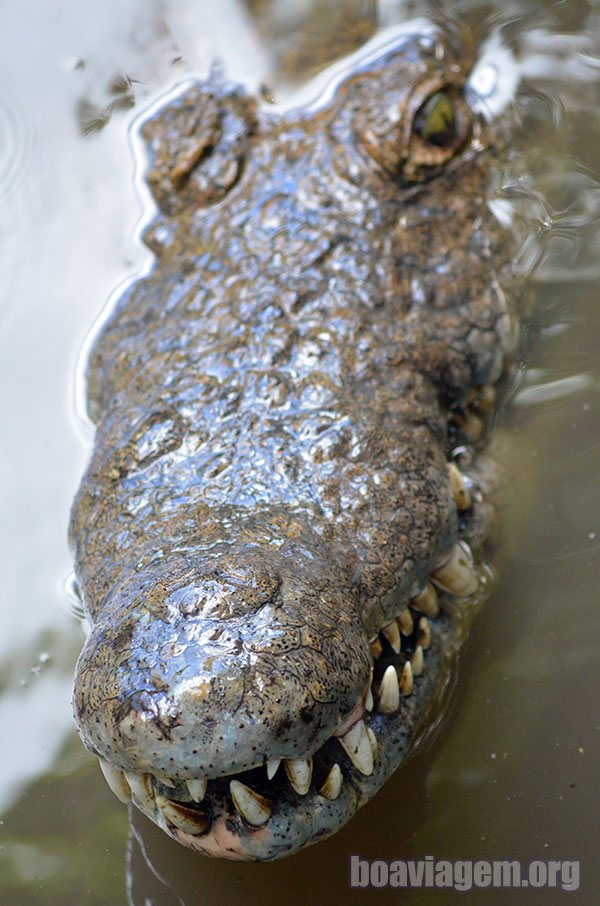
x,y
187,599
157,708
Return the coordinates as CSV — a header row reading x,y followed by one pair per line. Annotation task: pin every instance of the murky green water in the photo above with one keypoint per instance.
x,y
514,772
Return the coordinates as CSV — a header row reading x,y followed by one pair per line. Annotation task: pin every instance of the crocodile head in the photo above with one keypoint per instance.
x,y
271,536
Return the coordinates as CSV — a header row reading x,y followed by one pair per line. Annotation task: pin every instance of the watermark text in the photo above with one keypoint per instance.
x,y
464,874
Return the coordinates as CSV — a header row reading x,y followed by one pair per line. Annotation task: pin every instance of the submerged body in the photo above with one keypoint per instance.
x,y
270,514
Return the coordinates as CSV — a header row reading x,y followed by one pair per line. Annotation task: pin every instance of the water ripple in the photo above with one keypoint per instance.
x,y
16,143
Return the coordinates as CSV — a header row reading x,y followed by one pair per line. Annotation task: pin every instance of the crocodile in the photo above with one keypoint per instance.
x,y
284,517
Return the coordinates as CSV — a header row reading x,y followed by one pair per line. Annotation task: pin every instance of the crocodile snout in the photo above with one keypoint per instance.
x,y
201,673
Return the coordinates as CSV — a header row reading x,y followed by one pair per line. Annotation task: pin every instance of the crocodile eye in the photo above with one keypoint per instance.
x,y
435,121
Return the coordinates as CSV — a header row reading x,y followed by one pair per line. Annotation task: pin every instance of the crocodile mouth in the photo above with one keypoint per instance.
x,y
288,803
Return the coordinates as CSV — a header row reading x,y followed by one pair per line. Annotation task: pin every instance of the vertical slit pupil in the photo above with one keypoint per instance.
x,y
435,121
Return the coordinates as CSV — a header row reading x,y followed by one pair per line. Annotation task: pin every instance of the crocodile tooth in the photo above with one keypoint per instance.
x,y
332,785
373,742
472,426
460,490
358,748
369,700
417,661
406,680
427,601
456,575
189,820
392,634
405,622
272,765
424,633
116,781
253,807
142,790
486,399
166,781
197,788
389,692
376,648
299,771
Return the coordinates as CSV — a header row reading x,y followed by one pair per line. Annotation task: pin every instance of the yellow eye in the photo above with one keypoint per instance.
x,y
435,121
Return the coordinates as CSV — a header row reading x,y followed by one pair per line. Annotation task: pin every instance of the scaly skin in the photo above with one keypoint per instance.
x,y
269,484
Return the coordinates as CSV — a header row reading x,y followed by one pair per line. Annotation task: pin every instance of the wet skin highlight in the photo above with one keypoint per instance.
x,y
273,538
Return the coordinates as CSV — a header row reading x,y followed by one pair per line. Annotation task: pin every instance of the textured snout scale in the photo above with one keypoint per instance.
x,y
273,540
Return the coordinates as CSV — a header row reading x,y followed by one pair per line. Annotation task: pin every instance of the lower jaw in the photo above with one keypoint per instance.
x,y
297,820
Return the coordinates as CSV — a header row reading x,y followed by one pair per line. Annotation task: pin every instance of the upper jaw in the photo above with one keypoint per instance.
x,y
219,690
284,804
227,823
192,693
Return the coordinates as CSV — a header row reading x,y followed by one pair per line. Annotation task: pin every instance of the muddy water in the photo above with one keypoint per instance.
x,y
513,773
